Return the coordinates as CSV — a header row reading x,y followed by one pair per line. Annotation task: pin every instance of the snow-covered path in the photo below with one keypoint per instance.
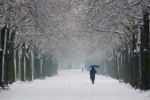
x,y
73,85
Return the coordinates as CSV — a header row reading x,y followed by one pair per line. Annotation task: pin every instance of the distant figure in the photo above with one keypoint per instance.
x,y
92,74
82,69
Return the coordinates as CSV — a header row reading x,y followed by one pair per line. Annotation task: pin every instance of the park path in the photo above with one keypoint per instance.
x,y
73,85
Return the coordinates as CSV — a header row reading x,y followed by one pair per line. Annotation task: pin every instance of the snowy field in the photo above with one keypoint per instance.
x,y
73,85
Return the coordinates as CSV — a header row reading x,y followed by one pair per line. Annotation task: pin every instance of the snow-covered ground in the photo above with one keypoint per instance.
x,y
73,85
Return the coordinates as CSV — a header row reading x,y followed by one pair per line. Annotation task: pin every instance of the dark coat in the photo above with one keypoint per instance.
x,y
92,74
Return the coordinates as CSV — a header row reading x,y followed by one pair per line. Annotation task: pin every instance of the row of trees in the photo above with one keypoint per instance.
x,y
21,55
130,64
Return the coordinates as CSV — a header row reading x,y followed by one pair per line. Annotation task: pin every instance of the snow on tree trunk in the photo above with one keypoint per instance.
x,y
32,64
139,50
118,64
19,67
24,67
3,67
121,61
15,64
3,59
41,64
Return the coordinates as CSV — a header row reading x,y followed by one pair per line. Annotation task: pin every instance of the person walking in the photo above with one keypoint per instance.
x,y
92,74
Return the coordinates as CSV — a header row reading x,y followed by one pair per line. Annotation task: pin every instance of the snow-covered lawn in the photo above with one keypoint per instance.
x,y
73,85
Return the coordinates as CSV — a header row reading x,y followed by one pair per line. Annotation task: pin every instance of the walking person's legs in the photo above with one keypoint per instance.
x,y
92,81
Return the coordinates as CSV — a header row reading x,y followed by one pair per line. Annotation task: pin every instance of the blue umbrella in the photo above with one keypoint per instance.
x,y
94,66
